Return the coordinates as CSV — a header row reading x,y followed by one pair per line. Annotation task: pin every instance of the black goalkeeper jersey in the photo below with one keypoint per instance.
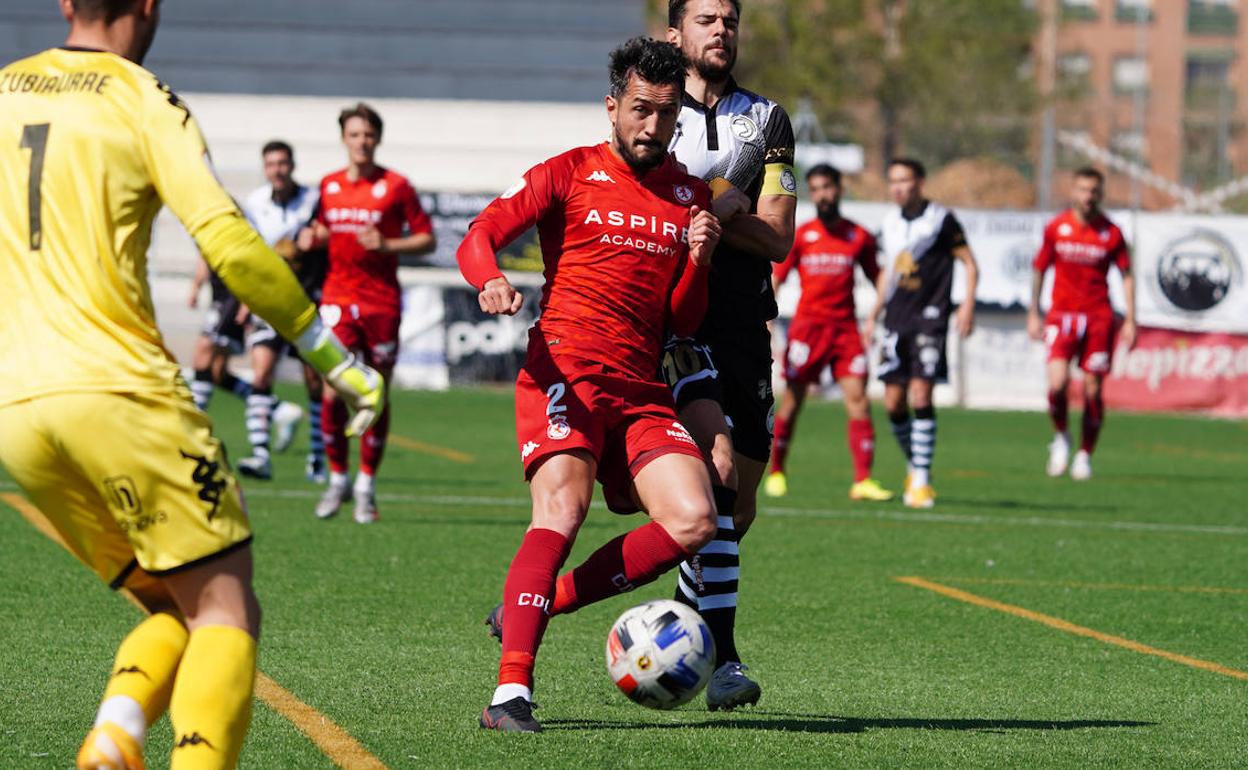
x,y
737,140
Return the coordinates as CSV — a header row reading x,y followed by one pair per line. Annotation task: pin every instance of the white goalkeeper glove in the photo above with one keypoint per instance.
x,y
359,385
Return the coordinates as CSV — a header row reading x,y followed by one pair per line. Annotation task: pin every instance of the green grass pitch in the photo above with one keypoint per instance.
x,y
380,628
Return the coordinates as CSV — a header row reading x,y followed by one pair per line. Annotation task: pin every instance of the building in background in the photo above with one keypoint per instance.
x,y
1162,83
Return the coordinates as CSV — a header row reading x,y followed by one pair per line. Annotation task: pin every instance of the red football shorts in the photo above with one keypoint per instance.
x,y
812,346
1084,337
565,404
370,329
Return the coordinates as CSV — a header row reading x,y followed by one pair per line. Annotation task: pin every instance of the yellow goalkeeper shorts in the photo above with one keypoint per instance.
x,y
126,479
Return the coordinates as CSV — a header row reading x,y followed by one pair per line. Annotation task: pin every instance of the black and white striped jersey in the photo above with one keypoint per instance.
x,y
919,254
748,140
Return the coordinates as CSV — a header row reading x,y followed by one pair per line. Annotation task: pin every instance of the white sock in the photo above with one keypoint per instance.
x,y
339,479
921,478
126,713
363,483
505,692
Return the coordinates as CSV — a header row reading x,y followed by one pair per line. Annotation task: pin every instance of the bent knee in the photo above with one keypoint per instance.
x,y
691,523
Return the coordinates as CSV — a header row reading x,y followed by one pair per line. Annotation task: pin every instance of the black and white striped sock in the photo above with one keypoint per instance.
x,y
923,442
903,432
316,439
201,389
260,406
708,581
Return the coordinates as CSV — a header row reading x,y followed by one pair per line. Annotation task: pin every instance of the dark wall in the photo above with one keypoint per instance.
x,y
531,50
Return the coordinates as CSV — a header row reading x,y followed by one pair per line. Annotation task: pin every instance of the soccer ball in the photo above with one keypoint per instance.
x,y
660,654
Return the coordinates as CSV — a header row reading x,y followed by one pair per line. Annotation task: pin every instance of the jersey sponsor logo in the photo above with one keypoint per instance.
x,y
356,216
680,433
650,225
599,176
514,190
683,193
528,449
1083,253
745,129
788,181
821,263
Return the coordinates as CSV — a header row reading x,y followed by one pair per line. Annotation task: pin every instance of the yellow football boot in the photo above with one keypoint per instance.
x,y
869,489
108,747
776,485
920,497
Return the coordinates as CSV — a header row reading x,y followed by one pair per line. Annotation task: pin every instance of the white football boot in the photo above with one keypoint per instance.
x,y
335,495
1059,455
286,418
1081,468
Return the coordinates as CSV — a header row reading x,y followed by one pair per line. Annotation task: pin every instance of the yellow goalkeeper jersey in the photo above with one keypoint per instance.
x,y
91,145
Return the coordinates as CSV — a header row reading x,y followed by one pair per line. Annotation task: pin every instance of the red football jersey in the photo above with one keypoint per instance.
x,y
824,259
385,200
1080,255
614,247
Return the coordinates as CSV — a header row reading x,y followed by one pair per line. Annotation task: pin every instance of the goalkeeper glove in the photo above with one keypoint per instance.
x,y
359,385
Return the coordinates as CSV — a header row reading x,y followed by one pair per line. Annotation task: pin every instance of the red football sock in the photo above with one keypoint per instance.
x,y
1093,416
783,431
333,427
526,602
1058,406
630,560
861,447
373,443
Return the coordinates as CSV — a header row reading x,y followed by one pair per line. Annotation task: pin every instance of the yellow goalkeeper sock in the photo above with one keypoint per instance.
x,y
211,708
143,673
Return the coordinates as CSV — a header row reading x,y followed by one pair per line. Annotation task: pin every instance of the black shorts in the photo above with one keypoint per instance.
x,y
221,325
261,334
735,373
916,354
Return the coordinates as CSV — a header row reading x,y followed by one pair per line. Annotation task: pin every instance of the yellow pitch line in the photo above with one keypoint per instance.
x,y
1098,586
334,742
446,453
1070,628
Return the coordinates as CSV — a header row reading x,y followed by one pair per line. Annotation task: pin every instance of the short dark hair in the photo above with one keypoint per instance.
x,y
360,110
1090,172
823,169
676,11
108,10
277,145
920,172
651,60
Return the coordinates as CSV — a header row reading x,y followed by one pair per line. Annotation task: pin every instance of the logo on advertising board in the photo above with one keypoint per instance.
x,y
1198,271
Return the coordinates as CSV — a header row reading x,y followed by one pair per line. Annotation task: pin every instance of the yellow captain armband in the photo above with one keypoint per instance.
x,y
779,179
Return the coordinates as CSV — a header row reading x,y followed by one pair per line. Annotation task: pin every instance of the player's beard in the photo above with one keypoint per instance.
x,y
828,212
714,72
638,163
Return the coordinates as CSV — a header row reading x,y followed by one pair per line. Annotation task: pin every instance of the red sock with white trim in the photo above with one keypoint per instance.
x,y
630,560
861,447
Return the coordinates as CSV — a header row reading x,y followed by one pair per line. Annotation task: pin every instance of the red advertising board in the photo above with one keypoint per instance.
x,y
1172,370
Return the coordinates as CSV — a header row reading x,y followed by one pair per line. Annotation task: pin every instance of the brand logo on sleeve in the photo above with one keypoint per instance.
x,y
599,176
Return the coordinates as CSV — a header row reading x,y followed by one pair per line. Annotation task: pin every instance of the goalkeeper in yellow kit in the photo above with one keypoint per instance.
x,y
96,423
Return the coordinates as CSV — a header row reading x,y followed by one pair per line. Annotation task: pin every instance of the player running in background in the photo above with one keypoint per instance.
x,y
365,211
626,238
220,337
920,240
742,145
1080,244
824,332
279,211
97,425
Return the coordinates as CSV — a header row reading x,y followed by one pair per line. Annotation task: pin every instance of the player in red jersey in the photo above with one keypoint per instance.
x,y
368,216
824,332
626,239
1080,244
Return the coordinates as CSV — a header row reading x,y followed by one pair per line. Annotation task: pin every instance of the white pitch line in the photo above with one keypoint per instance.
x,y
915,517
